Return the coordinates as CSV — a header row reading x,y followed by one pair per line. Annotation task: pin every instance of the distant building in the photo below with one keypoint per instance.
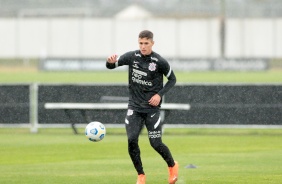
x,y
133,11
158,8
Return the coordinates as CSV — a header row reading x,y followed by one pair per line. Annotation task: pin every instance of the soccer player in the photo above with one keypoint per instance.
x,y
146,69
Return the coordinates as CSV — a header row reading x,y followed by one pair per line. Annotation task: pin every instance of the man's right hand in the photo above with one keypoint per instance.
x,y
112,58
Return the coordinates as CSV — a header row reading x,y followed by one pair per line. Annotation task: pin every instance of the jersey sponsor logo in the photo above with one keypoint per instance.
x,y
154,134
153,58
140,72
152,66
139,55
137,76
143,82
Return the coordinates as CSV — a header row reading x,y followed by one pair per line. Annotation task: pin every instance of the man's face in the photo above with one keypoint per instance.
x,y
145,45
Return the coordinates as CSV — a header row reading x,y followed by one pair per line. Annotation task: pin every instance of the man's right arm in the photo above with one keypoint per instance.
x,y
111,61
114,60
110,65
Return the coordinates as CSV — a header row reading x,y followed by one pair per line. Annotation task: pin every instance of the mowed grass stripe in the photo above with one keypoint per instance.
x,y
111,76
59,156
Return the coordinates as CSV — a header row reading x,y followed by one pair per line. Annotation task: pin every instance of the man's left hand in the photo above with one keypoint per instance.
x,y
155,100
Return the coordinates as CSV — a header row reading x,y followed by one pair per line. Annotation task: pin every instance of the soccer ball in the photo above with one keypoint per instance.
x,y
95,131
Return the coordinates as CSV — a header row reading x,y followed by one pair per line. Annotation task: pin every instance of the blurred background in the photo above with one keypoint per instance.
x,y
207,42
194,34
226,54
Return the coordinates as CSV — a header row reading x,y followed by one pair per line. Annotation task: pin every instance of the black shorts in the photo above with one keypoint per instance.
x,y
135,121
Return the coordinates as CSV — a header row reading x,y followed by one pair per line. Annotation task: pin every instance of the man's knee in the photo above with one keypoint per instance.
x,y
156,143
132,142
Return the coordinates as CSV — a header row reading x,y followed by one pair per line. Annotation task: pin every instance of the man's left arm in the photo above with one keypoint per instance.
x,y
156,99
169,84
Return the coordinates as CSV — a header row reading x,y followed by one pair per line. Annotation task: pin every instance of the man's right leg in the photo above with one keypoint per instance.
x,y
133,125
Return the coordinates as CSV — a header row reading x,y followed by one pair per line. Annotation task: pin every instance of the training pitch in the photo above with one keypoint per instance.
x,y
220,156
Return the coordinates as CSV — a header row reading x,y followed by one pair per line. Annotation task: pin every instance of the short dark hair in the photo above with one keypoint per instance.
x,y
146,34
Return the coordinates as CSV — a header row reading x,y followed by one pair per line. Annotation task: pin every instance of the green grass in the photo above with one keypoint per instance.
x,y
222,156
112,76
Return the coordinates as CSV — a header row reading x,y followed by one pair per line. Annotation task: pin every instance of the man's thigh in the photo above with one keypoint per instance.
x,y
134,122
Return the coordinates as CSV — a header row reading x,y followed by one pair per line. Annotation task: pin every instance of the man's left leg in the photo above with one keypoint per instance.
x,y
154,127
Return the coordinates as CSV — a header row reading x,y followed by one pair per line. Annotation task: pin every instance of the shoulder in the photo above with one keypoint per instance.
x,y
135,53
129,53
126,57
158,58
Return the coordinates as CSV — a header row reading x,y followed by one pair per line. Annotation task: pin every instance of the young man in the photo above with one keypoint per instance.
x,y
146,70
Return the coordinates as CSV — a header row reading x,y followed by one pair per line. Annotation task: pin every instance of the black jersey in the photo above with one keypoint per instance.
x,y
145,78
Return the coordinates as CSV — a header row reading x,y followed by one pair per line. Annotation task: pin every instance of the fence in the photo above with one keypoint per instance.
x,y
15,104
211,104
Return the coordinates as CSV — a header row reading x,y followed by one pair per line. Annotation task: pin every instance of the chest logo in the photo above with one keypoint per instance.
x,y
152,66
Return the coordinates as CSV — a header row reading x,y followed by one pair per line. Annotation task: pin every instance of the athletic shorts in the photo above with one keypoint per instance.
x,y
135,121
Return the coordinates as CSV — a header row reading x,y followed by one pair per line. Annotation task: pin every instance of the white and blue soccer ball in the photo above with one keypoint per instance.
x,y
95,131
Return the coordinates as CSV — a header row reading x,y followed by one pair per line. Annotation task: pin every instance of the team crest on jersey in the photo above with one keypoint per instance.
x,y
152,66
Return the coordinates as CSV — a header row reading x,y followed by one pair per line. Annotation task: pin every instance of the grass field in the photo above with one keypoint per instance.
x,y
222,156
111,76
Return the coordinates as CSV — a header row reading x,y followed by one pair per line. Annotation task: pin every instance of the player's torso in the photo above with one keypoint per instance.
x,y
144,71
145,79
